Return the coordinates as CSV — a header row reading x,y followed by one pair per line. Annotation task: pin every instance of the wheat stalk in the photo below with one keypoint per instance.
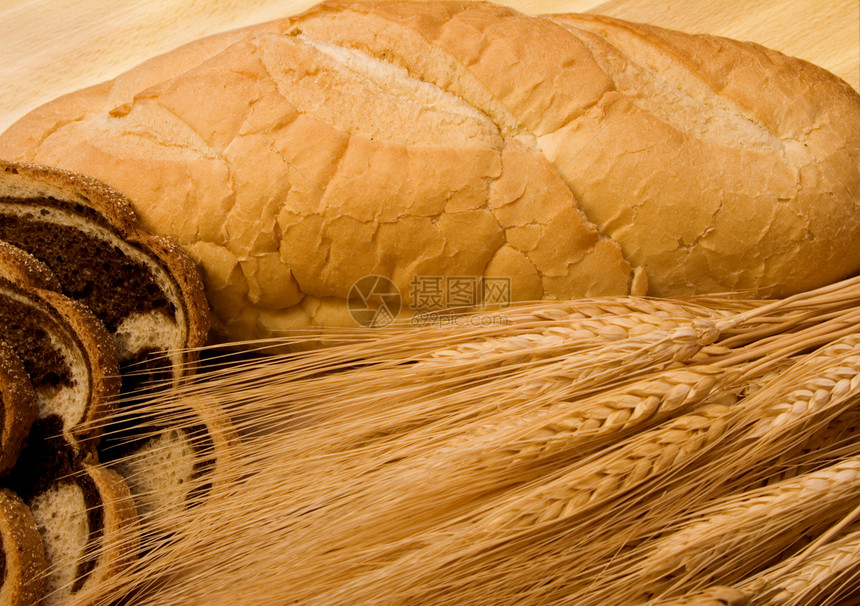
x,y
569,333
416,394
837,367
827,378
713,596
720,545
556,311
812,450
639,459
808,579
430,386
652,455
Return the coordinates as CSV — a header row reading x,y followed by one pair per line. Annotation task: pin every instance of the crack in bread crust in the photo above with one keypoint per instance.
x,y
672,90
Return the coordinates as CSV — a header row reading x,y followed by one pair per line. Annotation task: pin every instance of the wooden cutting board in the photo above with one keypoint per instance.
x,y
51,47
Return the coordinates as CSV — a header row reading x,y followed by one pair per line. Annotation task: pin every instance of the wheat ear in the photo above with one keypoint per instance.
x,y
567,334
810,578
826,378
640,458
579,426
732,537
719,595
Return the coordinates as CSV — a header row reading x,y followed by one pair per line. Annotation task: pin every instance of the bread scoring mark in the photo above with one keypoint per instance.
x,y
664,86
397,80
367,98
354,29
377,221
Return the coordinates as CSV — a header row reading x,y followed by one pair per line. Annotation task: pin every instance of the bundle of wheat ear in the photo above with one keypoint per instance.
x,y
603,451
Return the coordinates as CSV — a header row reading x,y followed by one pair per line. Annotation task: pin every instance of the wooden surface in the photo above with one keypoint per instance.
x,y
50,47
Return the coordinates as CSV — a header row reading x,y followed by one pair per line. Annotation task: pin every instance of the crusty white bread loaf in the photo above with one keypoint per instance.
x,y
22,554
18,408
573,154
65,350
143,287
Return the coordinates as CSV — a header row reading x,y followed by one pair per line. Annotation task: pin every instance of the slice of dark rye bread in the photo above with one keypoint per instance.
x,y
65,350
88,522
18,407
143,287
172,461
194,458
59,340
22,554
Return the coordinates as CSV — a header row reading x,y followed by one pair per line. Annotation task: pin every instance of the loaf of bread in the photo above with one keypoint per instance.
x,y
568,155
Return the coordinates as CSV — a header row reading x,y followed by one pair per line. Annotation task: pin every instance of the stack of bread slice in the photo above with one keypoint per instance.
x,y
143,288
95,312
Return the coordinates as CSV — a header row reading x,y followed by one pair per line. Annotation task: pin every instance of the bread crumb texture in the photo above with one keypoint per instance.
x,y
573,154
